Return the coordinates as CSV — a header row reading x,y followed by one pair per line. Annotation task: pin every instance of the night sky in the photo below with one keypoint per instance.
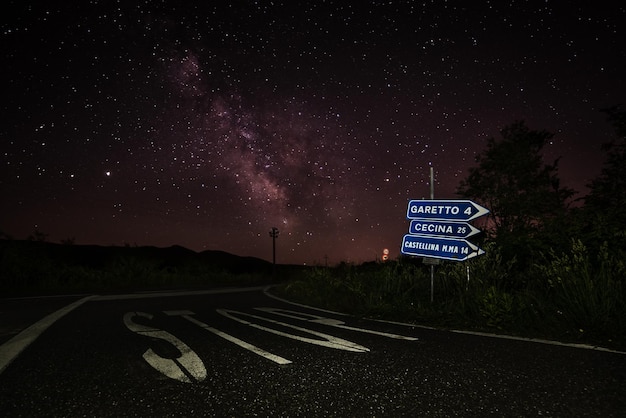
x,y
204,124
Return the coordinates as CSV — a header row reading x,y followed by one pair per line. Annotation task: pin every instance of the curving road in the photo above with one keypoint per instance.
x,y
241,352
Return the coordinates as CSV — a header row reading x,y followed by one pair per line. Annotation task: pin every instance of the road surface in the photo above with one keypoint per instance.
x,y
241,352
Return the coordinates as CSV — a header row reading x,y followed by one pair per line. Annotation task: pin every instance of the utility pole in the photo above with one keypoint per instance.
x,y
274,234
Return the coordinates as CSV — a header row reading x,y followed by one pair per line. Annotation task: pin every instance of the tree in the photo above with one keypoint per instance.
x,y
523,193
605,205
38,236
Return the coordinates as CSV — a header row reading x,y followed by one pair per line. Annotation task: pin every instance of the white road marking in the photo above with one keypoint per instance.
x,y
14,347
330,322
539,341
267,293
328,340
167,294
228,337
185,367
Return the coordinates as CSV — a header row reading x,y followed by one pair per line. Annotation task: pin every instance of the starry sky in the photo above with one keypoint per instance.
x,y
205,124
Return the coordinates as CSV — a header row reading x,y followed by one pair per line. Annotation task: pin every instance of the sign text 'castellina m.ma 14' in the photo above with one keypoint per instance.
x,y
439,229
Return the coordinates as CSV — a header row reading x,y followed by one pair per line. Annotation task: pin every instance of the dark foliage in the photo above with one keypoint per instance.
x,y
523,193
603,217
34,266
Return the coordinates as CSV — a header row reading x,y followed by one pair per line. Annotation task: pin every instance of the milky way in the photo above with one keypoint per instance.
x,y
205,125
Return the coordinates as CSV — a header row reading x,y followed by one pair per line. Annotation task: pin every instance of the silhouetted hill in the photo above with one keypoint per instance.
x,y
97,256
35,264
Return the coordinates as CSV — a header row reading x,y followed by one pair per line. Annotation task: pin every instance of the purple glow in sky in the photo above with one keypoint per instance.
x,y
205,124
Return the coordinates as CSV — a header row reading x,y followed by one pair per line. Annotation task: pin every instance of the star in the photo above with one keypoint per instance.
x,y
205,126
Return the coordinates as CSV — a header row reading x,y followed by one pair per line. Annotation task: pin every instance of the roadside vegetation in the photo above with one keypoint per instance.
x,y
567,297
554,267
30,267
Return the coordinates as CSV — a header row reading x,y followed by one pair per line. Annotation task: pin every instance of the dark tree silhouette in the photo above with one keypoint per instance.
x,y
523,193
38,236
605,205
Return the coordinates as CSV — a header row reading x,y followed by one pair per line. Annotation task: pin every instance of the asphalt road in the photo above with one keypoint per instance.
x,y
243,353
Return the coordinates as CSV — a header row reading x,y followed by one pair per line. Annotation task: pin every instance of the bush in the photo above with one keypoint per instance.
x,y
40,267
565,296
497,308
588,297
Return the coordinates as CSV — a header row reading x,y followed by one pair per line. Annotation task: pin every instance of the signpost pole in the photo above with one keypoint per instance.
x,y
432,266
439,230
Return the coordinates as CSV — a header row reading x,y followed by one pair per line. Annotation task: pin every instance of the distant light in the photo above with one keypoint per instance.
x,y
385,256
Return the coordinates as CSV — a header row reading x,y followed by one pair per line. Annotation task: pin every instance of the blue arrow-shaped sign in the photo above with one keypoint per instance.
x,y
436,247
442,228
445,210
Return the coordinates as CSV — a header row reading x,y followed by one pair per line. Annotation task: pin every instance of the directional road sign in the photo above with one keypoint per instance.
x,y
446,210
442,228
436,247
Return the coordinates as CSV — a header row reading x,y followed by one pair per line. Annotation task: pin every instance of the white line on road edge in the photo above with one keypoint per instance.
x,y
12,348
161,294
69,295
266,291
480,334
539,341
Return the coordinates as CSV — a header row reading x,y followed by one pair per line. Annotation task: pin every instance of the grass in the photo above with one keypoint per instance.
x,y
567,297
572,296
31,267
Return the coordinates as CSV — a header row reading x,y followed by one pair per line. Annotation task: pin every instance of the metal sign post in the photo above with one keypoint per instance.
x,y
439,229
432,266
